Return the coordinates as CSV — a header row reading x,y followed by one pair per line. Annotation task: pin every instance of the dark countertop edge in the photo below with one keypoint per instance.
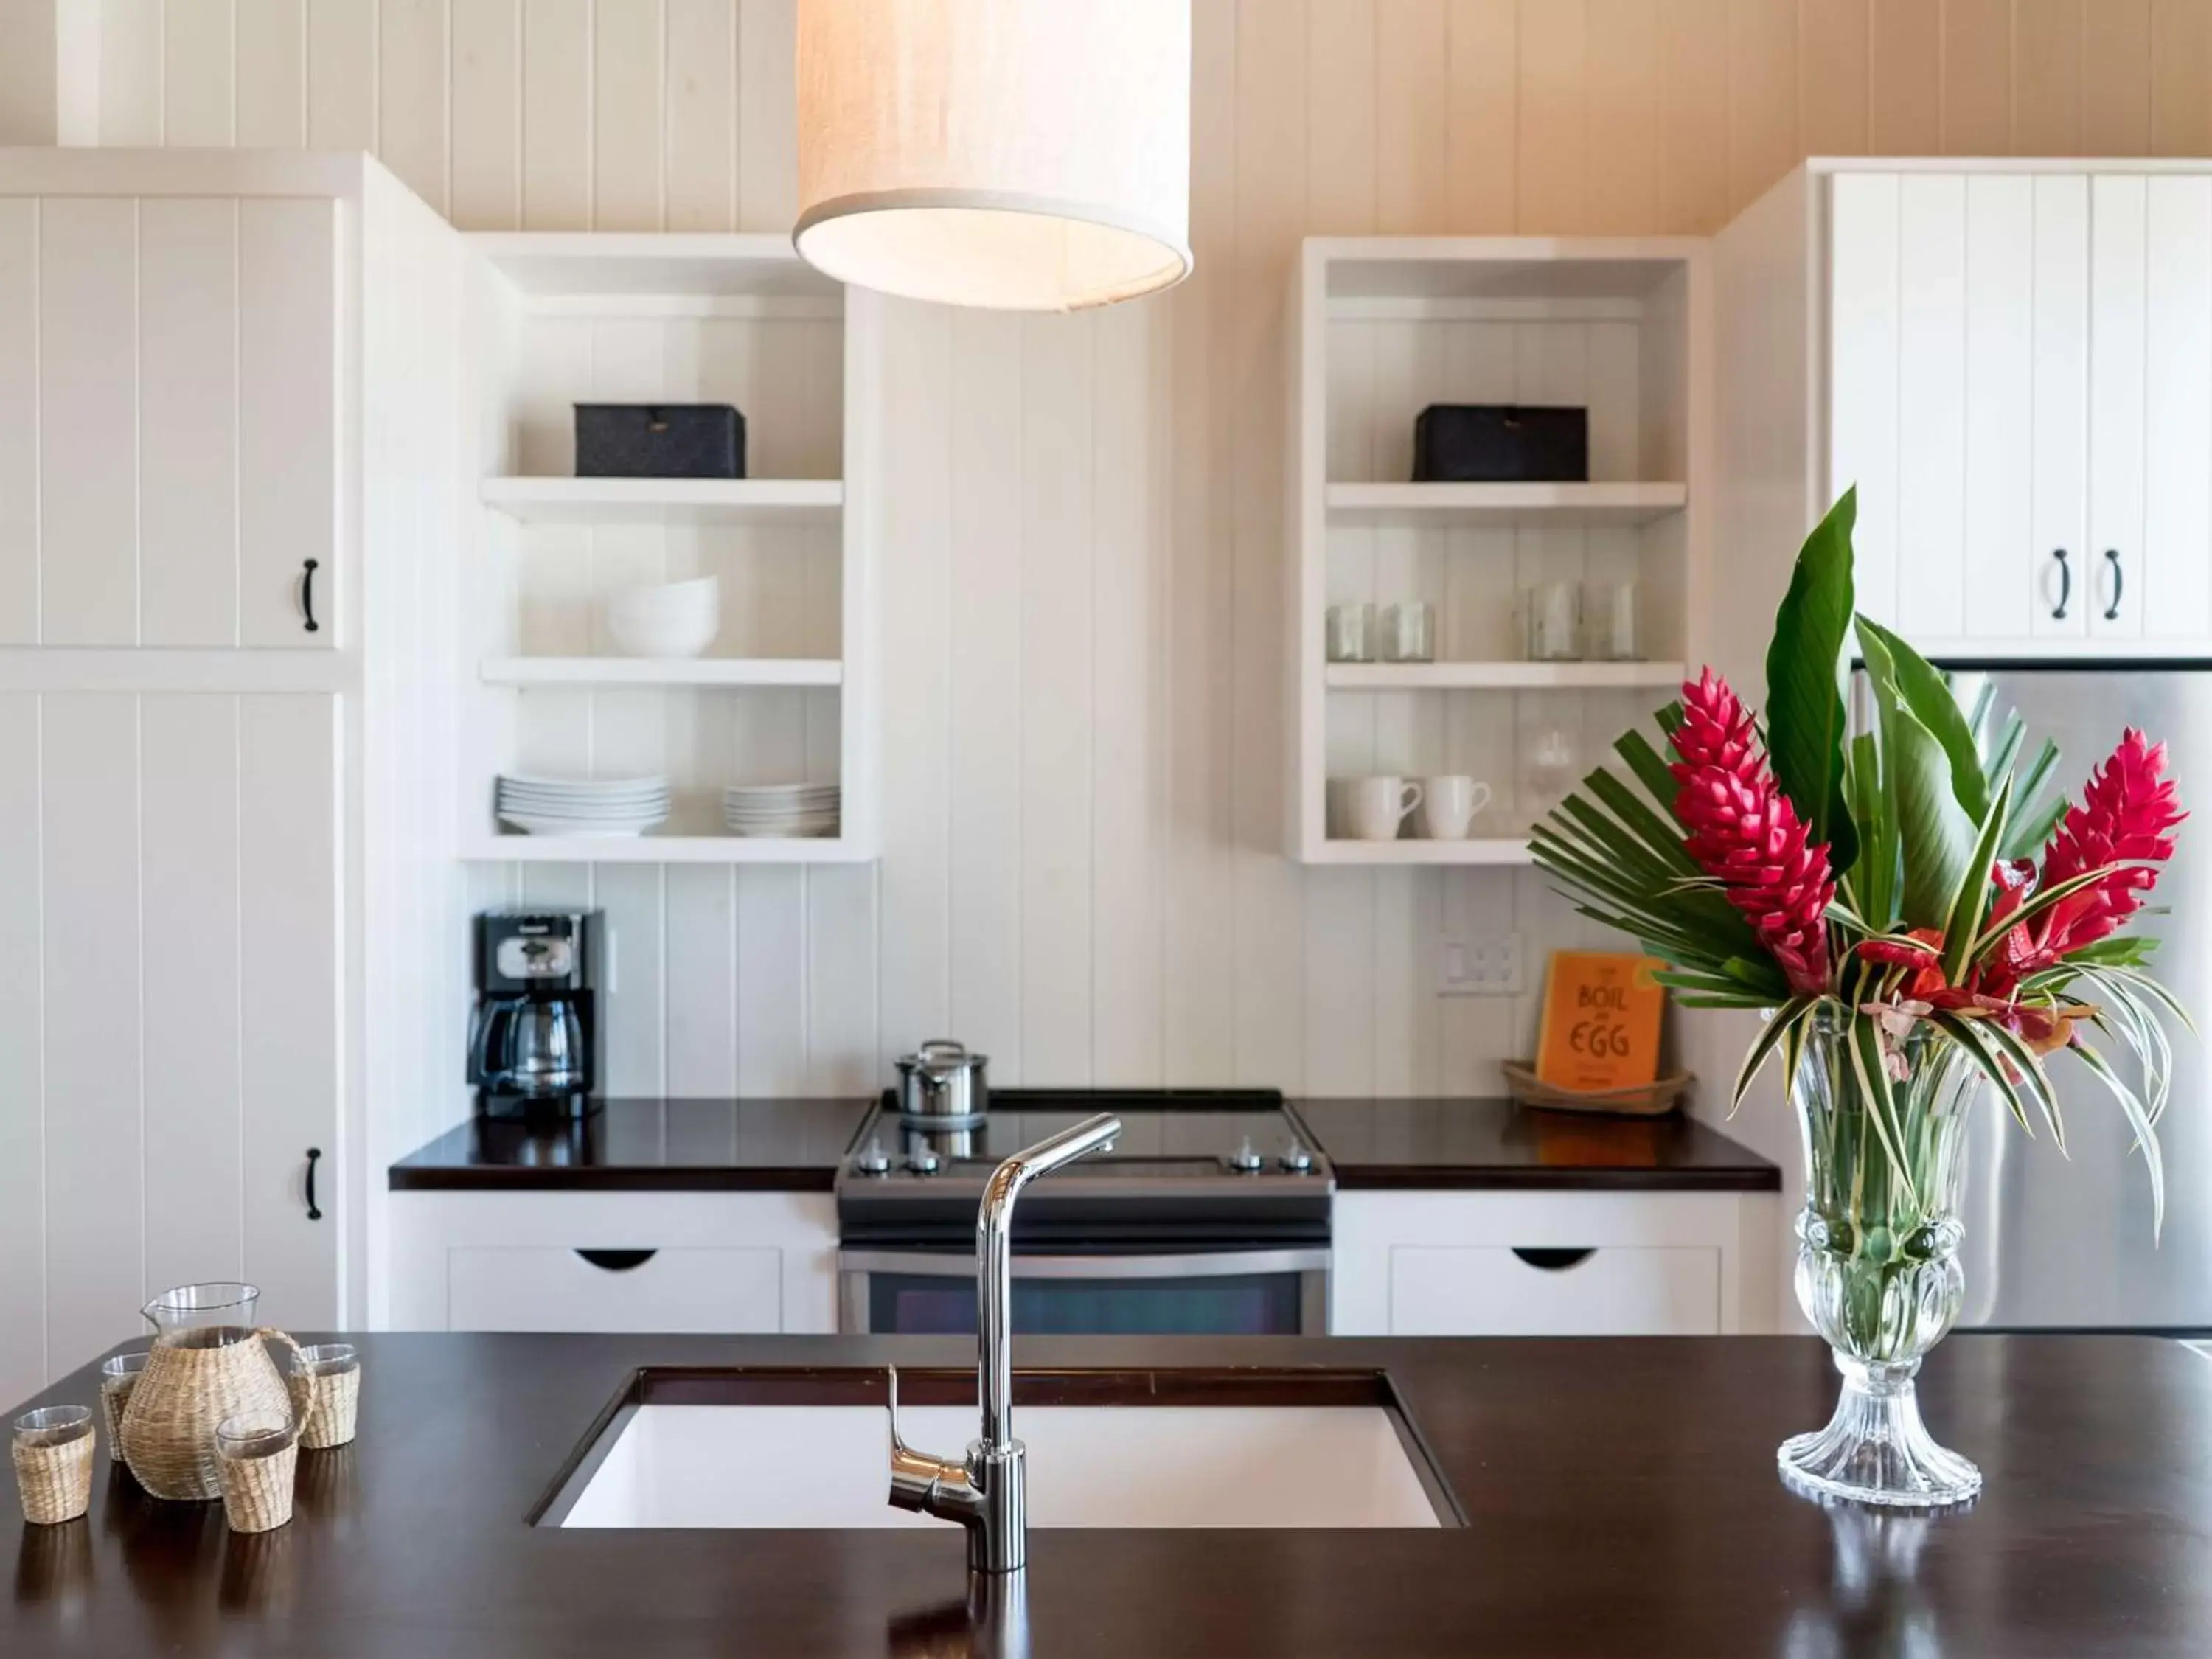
x,y
511,1178
1429,1177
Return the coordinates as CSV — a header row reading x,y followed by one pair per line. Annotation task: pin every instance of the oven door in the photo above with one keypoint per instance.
x,y
1265,1292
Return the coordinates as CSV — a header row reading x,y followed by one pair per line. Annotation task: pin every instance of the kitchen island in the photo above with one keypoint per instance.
x,y
1619,1498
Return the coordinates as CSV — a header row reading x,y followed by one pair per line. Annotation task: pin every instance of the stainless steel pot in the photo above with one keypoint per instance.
x,y
941,1080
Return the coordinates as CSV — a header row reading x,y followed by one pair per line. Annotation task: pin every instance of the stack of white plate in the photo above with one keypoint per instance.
x,y
781,809
583,806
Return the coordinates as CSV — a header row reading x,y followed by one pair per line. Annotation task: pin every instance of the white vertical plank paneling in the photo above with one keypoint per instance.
x,y
771,1002
19,421
94,1103
1056,734
556,115
631,897
1550,189
23,1366
486,72
190,878
628,54
700,949
87,483
1862,370
188,421
2175,572
288,437
412,97
341,81
2000,403
2058,587
289,763
701,141
768,115
130,72
197,61
2118,273
269,86
992,558
842,1039
1931,393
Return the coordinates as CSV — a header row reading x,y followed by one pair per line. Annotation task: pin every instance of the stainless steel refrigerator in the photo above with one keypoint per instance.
x,y
2063,1242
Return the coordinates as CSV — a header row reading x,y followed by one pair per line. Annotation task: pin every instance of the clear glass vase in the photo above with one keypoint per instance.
x,y
1878,1260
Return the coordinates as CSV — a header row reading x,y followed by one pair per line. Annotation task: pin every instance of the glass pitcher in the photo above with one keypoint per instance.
x,y
213,1316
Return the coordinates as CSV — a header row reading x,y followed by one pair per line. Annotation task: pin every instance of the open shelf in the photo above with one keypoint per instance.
x,y
1501,676
682,500
664,849
1583,505
662,671
562,265
1492,850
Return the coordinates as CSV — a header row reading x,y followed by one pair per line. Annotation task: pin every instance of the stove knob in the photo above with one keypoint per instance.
x,y
922,1161
1297,1159
872,1160
1246,1157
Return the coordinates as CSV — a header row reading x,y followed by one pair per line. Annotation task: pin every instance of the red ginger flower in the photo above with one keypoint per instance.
x,y
2128,813
1745,833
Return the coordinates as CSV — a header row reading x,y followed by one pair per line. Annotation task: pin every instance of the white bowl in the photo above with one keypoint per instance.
x,y
679,619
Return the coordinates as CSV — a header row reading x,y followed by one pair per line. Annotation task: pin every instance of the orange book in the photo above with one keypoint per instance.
x,y
1601,1025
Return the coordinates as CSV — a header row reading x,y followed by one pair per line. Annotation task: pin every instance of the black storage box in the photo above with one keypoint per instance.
x,y
660,440
1500,443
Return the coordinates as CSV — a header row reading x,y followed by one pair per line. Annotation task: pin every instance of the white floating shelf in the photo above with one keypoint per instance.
x,y
1400,504
1501,676
690,500
659,671
664,849
1493,850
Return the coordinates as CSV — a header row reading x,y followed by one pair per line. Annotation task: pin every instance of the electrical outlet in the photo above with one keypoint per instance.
x,y
1481,965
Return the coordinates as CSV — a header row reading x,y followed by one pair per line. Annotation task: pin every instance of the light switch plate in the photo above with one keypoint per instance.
x,y
1481,965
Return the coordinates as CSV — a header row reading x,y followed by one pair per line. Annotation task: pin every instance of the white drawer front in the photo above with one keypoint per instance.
x,y
540,1288
1616,1290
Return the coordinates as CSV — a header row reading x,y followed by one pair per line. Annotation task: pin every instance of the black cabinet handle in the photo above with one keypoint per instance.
x,y
313,1214
2065,583
1553,1261
2112,610
617,1261
308,595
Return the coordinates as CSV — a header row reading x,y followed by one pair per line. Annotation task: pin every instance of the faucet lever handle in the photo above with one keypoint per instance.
x,y
898,1444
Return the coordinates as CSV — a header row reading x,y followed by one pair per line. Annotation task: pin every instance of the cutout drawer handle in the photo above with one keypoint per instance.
x,y
617,1261
1553,1261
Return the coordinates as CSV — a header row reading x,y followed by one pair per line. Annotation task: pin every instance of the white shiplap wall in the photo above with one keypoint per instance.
x,y
1084,701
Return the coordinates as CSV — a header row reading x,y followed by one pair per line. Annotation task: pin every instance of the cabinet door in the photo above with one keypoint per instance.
x,y
1863,325
2171,583
2117,282
2001,560
2059,479
1931,419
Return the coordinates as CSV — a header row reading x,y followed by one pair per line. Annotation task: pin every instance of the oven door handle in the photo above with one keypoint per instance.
x,y
1198,1264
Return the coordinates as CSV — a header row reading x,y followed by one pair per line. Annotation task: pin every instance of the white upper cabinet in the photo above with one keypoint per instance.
x,y
2019,380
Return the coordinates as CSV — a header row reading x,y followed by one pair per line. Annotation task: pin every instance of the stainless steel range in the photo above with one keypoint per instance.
x,y
1209,1216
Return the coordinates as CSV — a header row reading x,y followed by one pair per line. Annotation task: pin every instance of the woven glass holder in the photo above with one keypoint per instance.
x,y
53,1467
257,1488
326,1396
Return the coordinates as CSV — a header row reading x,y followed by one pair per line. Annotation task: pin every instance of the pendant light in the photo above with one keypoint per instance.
x,y
1020,155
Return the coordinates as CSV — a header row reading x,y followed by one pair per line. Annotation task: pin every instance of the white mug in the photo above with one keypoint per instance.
x,y
1374,807
1449,805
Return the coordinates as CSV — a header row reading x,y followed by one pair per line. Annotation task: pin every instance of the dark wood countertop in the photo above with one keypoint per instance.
x,y
1621,1496
646,1145
1474,1143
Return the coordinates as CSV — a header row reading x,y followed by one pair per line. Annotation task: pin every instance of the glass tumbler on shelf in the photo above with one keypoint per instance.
x,y
1350,633
1409,632
1609,618
1547,772
1554,621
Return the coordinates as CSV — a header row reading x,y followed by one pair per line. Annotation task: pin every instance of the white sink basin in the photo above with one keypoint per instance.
x,y
785,1468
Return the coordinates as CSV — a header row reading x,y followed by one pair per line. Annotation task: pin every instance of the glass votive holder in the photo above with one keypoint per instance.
x,y
1554,621
325,1389
1350,633
52,1451
1409,632
119,1375
1609,621
256,1459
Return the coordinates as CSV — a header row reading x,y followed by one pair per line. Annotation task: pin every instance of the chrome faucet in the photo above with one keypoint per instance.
x,y
987,1493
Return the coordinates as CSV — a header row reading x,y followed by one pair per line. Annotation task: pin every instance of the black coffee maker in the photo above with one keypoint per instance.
x,y
535,1044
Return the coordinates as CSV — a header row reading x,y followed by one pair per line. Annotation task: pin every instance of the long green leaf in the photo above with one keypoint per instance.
x,y
1872,882
1967,1035
2138,1120
1805,709
2027,1067
1779,1028
1937,838
1864,1041
2035,813
1933,704
1971,902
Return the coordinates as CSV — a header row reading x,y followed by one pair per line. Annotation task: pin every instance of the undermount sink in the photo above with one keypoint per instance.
x,y
786,1450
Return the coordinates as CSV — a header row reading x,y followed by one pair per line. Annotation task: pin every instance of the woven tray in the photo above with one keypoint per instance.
x,y
1648,1100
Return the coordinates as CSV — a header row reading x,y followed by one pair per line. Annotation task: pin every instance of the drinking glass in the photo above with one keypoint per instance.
x,y
1409,632
117,1376
1554,621
1352,632
52,1449
326,1389
256,1460
1609,617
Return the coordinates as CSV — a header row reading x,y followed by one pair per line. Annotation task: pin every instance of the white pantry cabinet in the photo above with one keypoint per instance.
x,y
1501,1263
2012,362
231,396
694,1262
